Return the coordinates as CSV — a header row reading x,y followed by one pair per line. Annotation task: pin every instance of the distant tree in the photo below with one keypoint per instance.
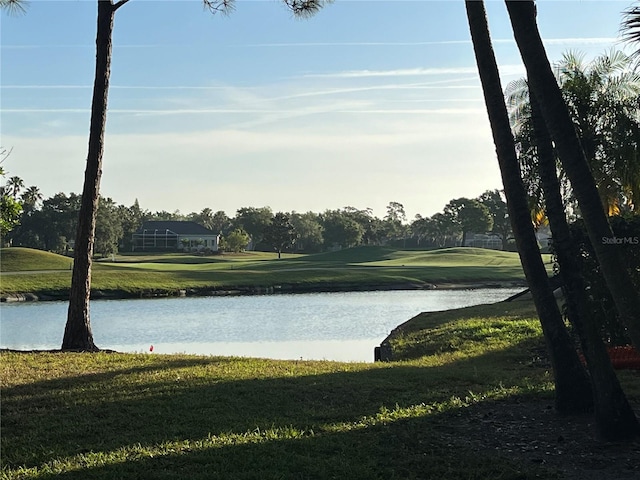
x,y
163,215
394,222
56,222
14,185
204,218
10,211
497,206
132,219
309,229
253,221
31,198
418,228
22,235
470,215
340,229
109,227
10,207
373,227
280,233
236,241
221,223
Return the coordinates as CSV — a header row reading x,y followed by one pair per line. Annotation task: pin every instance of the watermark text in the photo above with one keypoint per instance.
x,y
621,240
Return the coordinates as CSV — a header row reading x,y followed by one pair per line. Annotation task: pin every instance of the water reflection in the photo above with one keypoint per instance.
x,y
333,326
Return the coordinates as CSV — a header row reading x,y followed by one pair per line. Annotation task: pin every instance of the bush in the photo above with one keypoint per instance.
x,y
627,239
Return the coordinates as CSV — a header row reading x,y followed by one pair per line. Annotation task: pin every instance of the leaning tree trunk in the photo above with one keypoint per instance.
x,y
573,392
615,419
556,115
77,332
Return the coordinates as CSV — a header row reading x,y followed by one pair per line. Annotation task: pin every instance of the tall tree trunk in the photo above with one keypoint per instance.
x,y
573,392
77,333
556,115
615,419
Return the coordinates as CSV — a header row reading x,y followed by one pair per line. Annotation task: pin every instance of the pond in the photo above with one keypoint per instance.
x,y
333,326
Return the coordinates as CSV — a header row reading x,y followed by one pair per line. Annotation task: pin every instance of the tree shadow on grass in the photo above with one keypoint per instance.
x,y
192,399
398,450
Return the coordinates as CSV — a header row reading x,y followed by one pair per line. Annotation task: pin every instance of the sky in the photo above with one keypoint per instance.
x,y
363,104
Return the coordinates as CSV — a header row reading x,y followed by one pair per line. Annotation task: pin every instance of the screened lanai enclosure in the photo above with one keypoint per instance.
x,y
174,236
156,240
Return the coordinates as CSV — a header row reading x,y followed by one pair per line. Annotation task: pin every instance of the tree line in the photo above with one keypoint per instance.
x,y
51,224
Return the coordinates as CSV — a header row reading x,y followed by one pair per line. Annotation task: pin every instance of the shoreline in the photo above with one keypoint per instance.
x,y
257,290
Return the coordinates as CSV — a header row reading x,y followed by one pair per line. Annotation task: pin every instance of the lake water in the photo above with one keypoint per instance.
x,y
333,326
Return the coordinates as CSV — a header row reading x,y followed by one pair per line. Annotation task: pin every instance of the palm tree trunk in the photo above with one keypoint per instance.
x,y
573,392
77,333
615,419
558,120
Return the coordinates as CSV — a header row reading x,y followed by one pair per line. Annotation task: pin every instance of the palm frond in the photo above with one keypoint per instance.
x,y
14,7
630,26
517,101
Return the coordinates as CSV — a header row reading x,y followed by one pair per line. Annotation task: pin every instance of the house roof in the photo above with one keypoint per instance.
x,y
181,228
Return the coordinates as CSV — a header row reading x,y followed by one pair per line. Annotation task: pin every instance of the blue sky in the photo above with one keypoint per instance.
x,y
365,103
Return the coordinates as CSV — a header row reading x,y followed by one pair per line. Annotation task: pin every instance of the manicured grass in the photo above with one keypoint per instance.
x,y
81,416
17,259
490,326
362,267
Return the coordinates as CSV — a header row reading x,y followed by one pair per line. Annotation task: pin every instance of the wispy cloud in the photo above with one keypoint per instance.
x,y
353,44
207,111
79,45
411,72
113,87
580,41
551,41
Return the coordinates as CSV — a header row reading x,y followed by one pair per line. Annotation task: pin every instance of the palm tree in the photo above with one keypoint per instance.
x,y
615,419
78,335
30,198
573,392
602,99
560,125
631,27
15,184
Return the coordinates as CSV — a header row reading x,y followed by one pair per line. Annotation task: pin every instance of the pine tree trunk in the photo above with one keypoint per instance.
x,y
615,419
77,333
573,392
558,120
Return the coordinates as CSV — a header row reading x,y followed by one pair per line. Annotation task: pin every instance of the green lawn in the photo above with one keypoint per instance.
x,y
103,416
362,267
18,259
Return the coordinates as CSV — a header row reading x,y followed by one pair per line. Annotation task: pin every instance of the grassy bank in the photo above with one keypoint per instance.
x,y
29,271
147,416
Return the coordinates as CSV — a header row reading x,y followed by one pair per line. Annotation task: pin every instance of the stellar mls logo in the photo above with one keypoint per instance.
x,y
621,240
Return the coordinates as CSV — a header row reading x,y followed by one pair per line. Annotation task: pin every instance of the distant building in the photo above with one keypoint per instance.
x,y
484,240
174,236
